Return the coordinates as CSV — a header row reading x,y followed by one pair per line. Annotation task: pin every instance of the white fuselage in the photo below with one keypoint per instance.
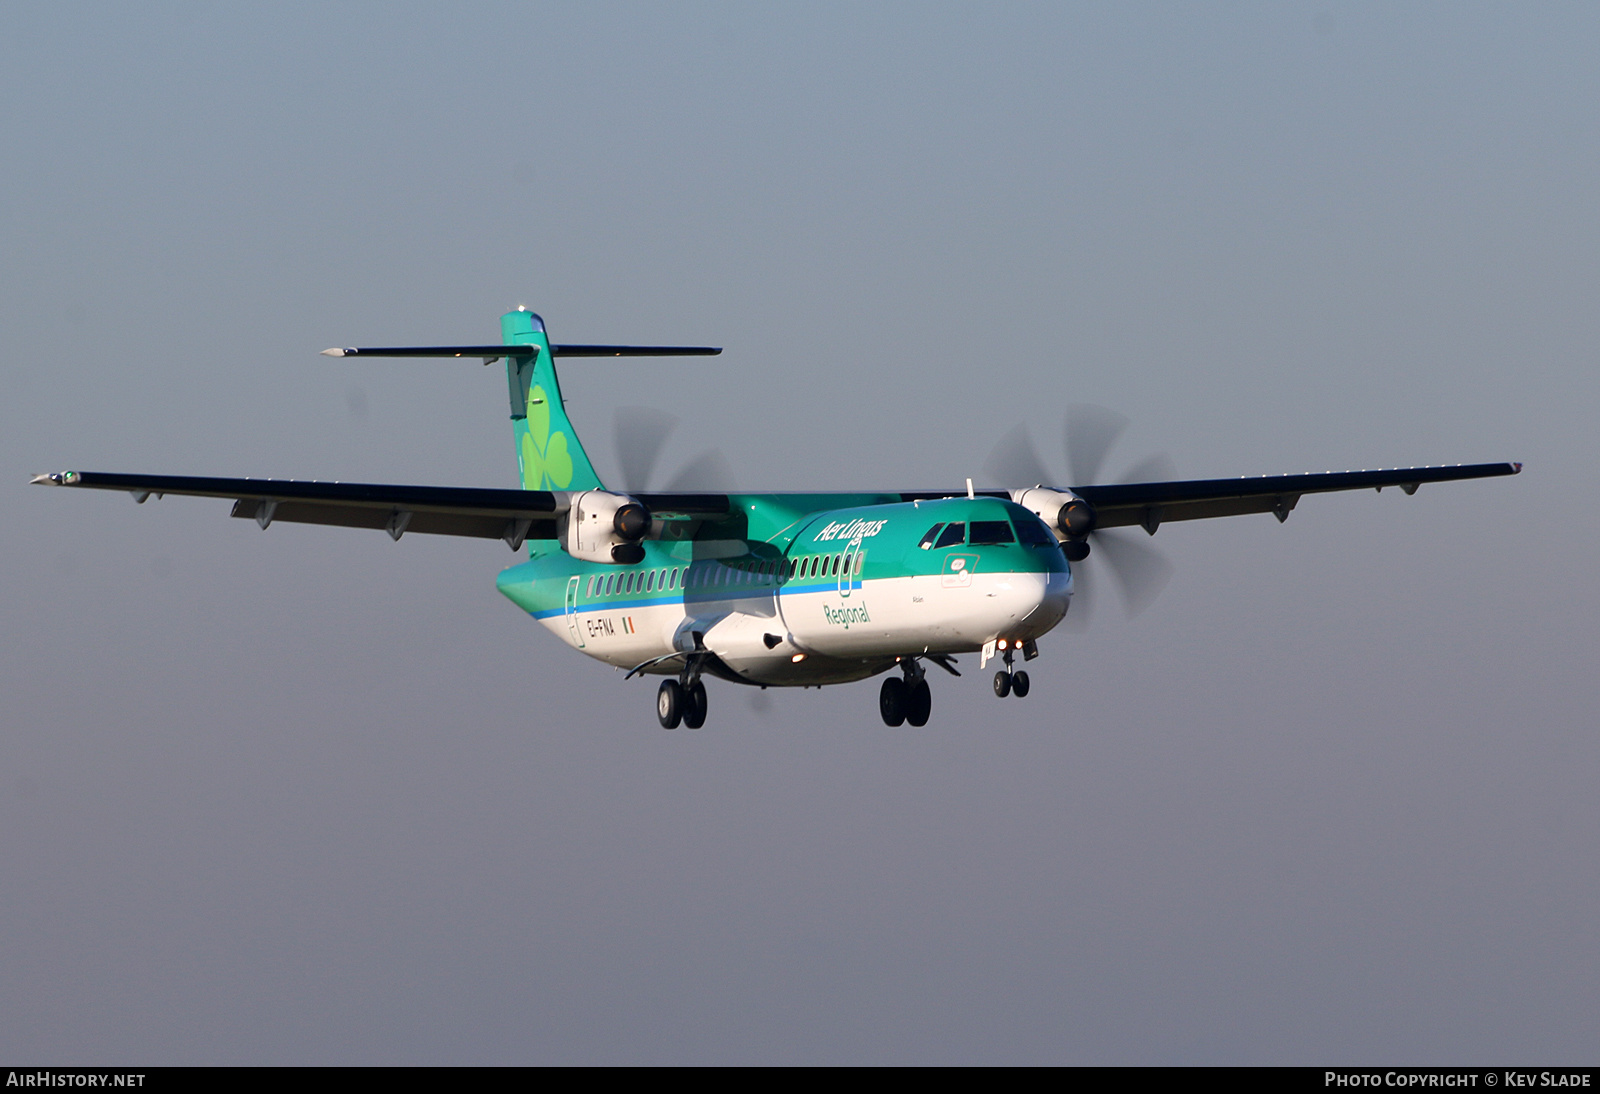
x,y
802,634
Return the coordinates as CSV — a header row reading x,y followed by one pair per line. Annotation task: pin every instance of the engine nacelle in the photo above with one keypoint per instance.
x,y
605,527
1069,515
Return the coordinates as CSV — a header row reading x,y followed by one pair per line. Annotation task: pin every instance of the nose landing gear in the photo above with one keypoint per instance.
x,y
907,699
1007,682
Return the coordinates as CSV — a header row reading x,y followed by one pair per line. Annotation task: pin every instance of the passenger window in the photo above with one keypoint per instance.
x,y
991,531
609,578
650,583
933,534
859,557
954,535
590,592
672,578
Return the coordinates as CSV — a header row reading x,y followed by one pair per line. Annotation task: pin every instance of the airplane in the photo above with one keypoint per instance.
x,y
764,589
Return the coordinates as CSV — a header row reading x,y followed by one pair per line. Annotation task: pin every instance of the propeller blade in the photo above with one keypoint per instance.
x,y
1081,609
710,471
1015,462
1157,468
1141,571
641,433
1090,432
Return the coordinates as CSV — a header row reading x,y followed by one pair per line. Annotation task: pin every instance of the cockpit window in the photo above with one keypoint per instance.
x,y
927,540
1033,533
954,535
991,531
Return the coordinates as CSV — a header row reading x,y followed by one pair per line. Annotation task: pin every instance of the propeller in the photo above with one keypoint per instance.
x,y
1139,569
641,434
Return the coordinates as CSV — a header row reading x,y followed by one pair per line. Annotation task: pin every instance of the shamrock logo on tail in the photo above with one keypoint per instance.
x,y
546,463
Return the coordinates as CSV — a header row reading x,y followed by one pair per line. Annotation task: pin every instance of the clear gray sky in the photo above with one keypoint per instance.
x,y
310,796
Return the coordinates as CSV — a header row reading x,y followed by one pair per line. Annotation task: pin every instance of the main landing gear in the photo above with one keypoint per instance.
x,y
908,699
681,702
1007,682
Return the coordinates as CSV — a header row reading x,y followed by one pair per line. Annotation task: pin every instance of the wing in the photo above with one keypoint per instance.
x,y
511,515
518,515
1150,504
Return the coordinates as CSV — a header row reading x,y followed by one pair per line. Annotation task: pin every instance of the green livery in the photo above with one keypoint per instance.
x,y
549,456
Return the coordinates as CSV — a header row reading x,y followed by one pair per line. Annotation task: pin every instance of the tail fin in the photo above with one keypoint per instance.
x,y
548,451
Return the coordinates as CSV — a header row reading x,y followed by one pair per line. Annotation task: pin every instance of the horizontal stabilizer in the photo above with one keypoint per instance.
x,y
635,351
491,353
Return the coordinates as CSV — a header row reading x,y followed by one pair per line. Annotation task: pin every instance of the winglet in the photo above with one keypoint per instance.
x,y
60,478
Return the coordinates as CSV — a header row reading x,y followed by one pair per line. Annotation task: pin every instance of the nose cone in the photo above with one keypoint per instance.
x,y
1052,594
1026,605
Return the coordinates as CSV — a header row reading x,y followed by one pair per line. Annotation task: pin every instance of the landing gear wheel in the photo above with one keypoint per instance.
x,y
694,705
1019,683
919,703
1002,684
669,704
892,701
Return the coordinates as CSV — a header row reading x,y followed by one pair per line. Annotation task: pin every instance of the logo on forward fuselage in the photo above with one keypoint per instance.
x,y
855,529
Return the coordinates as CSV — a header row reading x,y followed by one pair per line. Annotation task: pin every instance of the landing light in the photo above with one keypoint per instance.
x,y
797,658
1002,643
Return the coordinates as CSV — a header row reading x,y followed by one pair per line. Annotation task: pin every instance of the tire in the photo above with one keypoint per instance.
x,y
892,701
669,704
1002,684
1019,683
694,705
919,703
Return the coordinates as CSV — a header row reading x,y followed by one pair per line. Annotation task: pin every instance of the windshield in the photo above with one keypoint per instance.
x,y
990,532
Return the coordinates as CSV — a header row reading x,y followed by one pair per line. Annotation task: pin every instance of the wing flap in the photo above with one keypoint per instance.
x,y
383,518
